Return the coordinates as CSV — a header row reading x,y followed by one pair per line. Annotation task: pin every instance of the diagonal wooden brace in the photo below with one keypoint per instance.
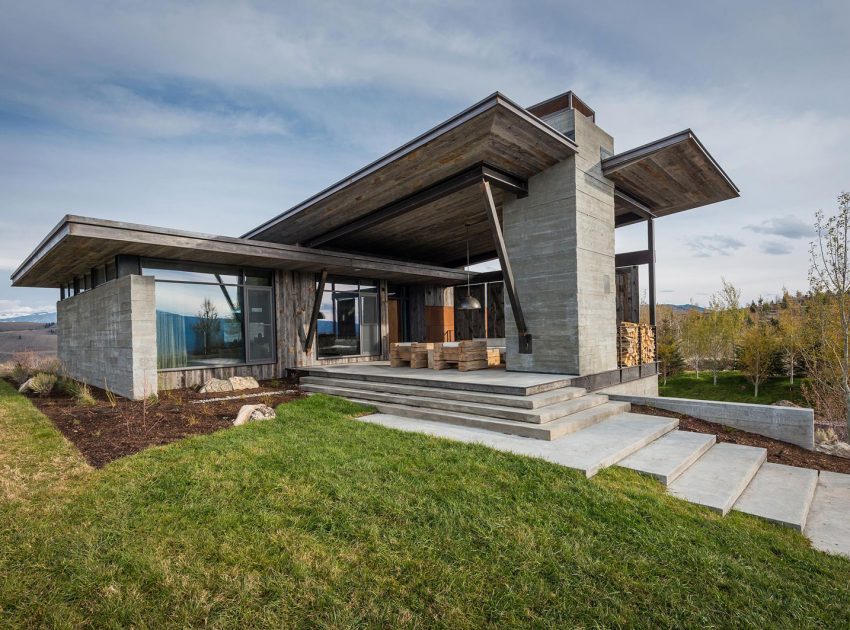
x,y
317,307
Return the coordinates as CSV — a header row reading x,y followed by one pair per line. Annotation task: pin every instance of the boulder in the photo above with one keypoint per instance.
x,y
26,386
249,413
785,403
838,449
243,382
216,386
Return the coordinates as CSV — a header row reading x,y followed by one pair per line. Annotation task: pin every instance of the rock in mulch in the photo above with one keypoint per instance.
x,y
839,449
785,403
249,413
234,383
243,382
26,386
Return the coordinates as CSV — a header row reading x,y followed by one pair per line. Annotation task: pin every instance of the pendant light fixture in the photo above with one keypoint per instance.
x,y
467,302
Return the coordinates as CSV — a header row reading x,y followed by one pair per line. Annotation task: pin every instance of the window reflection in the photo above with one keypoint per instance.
x,y
349,318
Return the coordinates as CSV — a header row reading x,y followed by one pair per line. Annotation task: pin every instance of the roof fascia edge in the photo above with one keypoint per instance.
x,y
480,107
616,162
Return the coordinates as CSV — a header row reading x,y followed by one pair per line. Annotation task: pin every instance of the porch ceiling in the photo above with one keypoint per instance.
x,y
666,176
77,244
495,132
435,233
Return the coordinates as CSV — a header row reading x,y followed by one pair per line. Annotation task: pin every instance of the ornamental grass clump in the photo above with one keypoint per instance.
x,y
43,383
80,392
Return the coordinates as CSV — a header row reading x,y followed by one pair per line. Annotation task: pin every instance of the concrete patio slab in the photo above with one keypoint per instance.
x,y
828,525
780,494
494,380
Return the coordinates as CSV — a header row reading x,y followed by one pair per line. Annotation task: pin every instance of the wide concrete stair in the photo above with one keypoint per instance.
x,y
545,415
588,432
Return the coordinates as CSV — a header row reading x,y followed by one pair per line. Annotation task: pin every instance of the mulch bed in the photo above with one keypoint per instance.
x,y
777,452
104,433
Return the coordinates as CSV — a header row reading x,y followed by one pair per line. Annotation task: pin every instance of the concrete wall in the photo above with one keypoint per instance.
x,y
560,240
790,424
107,336
647,386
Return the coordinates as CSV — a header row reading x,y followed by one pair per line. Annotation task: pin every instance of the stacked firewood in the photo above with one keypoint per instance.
x,y
635,344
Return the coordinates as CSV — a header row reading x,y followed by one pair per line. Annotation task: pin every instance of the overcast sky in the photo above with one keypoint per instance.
x,y
215,116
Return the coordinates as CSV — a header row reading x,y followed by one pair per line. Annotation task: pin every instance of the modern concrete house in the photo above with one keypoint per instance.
x,y
380,257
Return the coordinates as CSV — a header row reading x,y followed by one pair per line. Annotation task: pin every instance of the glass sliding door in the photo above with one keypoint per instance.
x,y
259,324
349,320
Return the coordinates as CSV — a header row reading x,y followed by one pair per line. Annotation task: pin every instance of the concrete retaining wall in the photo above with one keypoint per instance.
x,y
647,386
107,336
790,424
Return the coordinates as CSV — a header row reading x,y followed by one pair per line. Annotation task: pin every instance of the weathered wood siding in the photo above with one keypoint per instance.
x,y
295,295
628,295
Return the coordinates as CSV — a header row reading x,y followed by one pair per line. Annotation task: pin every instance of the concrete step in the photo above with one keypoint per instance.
x,y
608,442
549,431
828,525
495,381
669,456
436,401
780,494
588,450
532,401
718,478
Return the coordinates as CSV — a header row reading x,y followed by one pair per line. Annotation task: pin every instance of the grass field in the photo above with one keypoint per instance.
x,y
315,519
732,387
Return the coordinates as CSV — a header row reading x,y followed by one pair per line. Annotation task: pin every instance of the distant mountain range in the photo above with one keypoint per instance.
x,y
42,318
684,307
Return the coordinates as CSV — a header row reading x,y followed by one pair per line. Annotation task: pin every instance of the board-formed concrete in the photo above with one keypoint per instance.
x,y
107,336
560,241
795,425
669,456
719,477
828,525
780,494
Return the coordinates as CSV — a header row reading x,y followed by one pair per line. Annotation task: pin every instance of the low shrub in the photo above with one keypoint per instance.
x,y
19,374
43,383
80,391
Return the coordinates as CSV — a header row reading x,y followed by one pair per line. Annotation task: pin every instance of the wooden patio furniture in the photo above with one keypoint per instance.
x,y
464,355
410,354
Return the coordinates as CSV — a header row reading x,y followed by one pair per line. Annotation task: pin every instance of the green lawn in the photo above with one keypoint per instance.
x,y
315,519
732,387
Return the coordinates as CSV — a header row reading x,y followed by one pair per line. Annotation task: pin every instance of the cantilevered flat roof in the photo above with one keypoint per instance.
x,y
496,132
666,176
77,244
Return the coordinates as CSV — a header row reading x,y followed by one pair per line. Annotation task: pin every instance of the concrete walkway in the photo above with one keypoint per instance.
x,y
719,476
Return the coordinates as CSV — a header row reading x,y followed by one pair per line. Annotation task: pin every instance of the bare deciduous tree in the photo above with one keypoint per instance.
x,y
830,273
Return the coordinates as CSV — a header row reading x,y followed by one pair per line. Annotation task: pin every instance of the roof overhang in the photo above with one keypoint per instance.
x,y
495,133
666,176
78,244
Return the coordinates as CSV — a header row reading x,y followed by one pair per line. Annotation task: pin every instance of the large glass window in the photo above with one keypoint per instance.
x,y
210,316
349,320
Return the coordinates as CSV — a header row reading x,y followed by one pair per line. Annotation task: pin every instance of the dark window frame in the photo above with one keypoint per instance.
x,y
330,283
148,267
